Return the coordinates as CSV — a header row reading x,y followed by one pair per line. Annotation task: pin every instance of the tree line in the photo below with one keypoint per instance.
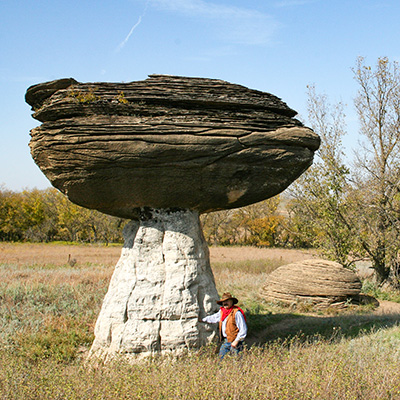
x,y
47,215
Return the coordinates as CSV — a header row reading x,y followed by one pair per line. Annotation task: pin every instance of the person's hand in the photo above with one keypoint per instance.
x,y
235,343
199,319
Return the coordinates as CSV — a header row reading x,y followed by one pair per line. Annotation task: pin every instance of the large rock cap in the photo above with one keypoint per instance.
x,y
167,141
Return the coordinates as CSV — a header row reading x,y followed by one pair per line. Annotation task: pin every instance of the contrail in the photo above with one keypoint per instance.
x,y
123,43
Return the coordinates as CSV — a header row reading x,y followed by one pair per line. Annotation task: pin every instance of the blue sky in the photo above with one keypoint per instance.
x,y
277,46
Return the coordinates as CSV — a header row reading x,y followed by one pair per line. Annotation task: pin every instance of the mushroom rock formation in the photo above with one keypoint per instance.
x,y
319,282
160,152
200,144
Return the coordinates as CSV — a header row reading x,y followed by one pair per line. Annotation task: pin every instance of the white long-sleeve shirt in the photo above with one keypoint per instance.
x,y
239,319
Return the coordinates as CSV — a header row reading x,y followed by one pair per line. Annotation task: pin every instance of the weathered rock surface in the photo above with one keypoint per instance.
x,y
160,152
194,143
161,285
319,282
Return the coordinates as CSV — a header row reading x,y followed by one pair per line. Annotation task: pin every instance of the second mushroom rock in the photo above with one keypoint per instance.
x,y
167,141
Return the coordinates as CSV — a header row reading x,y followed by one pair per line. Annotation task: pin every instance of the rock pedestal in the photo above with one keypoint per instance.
x,y
161,285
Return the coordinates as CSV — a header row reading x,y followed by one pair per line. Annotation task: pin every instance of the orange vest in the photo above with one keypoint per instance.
x,y
231,328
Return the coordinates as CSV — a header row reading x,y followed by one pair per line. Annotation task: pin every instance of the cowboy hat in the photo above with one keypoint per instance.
x,y
227,296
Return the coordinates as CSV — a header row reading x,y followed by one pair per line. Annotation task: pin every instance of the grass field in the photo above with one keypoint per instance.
x,y
48,309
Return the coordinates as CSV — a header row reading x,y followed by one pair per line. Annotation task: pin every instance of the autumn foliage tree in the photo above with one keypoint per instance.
x,y
47,215
377,181
319,207
257,225
356,212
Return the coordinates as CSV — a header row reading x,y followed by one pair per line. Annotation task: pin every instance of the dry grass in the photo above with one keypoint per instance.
x,y
248,253
363,368
58,254
51,254
48,310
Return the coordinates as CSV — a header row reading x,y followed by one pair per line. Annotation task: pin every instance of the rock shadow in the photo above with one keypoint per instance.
x,y
264,328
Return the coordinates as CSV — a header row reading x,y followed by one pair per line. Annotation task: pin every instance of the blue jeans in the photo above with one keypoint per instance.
x,y
226,348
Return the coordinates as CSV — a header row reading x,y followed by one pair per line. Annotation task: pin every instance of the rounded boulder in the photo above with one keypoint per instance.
x,y
319,282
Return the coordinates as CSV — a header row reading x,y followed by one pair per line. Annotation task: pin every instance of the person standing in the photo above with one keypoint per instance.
x,y
232,325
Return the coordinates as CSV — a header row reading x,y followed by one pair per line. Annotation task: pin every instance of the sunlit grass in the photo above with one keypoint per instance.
x,y
48,312
249,267
362,368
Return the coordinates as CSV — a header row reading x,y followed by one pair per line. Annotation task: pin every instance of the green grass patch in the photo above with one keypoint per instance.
x,y
59,338
50,319
372,289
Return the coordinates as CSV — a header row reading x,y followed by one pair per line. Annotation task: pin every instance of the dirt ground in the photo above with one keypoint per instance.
x,y
221,254
387,307
60,254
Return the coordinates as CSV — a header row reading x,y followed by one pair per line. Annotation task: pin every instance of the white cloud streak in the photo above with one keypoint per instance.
x,y
229,23
125,41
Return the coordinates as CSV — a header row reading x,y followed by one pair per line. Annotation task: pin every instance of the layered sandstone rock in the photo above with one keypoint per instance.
x,y
194,143
159,152
319,282
161,285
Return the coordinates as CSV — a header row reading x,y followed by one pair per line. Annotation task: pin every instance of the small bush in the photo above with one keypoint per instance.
x,y
373,289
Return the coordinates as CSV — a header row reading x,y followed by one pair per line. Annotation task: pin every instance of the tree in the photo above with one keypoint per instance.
x,y
215,225
10,219
260,223
318,212
33,210
257,224
358,213
378,178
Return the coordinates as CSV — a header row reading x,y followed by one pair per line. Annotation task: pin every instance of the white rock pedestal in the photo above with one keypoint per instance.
x,y
161,285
